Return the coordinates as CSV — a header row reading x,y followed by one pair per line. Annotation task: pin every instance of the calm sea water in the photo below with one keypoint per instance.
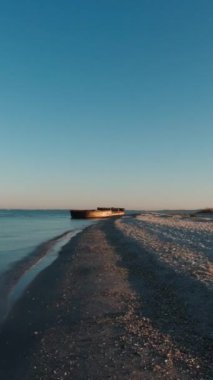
x,y
29,241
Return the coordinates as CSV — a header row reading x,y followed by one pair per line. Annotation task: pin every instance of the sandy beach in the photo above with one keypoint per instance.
x,y
127,298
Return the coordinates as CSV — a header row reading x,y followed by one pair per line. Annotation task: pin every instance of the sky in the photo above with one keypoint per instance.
x,y
106,103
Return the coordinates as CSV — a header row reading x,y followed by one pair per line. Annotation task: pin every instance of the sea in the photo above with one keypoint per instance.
x,y
30,240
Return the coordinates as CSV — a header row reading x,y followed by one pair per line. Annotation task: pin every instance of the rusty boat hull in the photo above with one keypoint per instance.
x,y
98,213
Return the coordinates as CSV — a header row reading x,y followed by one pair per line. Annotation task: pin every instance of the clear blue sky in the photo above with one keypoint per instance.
x,y
106,103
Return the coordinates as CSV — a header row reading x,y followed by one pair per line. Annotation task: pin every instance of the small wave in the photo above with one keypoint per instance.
x,y
17,279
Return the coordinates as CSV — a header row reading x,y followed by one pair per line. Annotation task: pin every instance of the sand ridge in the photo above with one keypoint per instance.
x,y
106,308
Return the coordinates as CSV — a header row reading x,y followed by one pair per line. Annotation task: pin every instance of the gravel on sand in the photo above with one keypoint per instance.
x,y
112,306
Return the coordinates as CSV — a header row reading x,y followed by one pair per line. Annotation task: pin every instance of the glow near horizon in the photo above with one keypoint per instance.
x,y
106,104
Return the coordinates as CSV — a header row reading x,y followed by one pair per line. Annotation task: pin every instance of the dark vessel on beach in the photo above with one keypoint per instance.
x,y
100,212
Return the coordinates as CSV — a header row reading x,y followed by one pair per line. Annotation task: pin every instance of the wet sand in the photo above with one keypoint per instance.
x,y
110,308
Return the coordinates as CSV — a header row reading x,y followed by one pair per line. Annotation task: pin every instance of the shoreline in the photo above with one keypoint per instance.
x,y
19,276
105,308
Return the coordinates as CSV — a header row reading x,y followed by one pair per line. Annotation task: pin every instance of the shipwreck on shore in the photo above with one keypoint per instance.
x,y
100,212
